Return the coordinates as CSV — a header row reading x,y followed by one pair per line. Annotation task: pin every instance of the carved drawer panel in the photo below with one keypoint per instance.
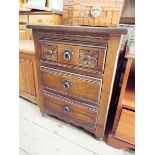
x,y
82,88
49,52
71,110
88,57
80,56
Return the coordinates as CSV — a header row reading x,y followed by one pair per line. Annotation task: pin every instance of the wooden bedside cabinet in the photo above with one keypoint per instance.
x,y
123,129
28,87
76,68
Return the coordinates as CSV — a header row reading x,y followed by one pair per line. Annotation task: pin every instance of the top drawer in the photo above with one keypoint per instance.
x,y
74,55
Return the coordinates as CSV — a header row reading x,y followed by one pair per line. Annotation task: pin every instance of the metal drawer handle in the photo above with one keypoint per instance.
x,y
39,20
66,109
67,84
67,54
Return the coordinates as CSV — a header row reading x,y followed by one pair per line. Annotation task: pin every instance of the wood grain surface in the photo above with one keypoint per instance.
x,y
88,87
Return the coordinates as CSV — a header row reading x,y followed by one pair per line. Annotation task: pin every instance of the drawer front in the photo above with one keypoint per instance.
x,y
82,56
126,126
77,86
71,109
49,53
23,19
41,19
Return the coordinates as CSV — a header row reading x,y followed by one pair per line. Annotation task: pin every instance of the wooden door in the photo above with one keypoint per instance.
x,y
27,77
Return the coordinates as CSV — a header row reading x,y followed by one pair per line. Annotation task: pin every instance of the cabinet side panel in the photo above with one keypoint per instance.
x,y
37,71
108,78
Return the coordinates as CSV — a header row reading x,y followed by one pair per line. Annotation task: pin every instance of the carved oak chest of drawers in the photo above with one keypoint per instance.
x,y
76,68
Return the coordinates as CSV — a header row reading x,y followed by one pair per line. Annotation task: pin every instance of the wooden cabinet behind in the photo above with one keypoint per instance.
x,y
42,17
24,33
123,129
27,73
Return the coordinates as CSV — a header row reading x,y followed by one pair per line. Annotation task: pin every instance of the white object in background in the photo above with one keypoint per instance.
x,y
56,5
42,5
39,3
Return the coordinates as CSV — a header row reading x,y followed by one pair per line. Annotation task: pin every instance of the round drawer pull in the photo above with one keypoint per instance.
x,y
96,11
67,54
67,84
66,109
39,20
50,52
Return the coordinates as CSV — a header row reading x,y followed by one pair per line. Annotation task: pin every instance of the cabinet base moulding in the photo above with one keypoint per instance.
x,y
28,97
119,144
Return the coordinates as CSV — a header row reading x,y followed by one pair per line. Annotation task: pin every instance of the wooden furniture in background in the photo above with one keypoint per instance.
x,y
24,33
76,68
36,17
92,13
46,5
20,3
28,87
128,13
123,130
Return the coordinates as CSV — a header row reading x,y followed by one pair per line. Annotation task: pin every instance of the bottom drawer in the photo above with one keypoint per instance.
x,y
126,127
70,110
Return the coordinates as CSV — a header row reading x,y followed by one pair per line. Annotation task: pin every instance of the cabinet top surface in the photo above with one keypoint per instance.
x,y
40,12
80,29
26,46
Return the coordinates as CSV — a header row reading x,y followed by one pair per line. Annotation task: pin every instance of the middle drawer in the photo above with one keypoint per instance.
x,y
80,87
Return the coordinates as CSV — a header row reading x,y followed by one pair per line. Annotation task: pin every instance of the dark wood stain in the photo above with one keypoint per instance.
x,y
77,87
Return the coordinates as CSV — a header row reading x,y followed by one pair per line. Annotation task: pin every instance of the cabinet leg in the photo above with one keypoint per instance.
x,y
43,114
99,139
